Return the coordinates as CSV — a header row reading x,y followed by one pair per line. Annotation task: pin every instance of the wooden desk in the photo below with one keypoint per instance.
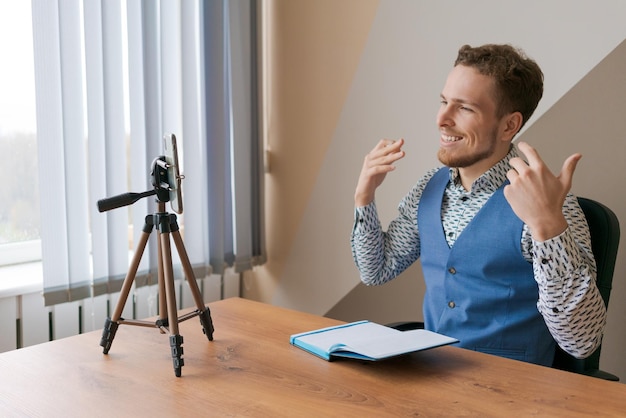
x,y
250,369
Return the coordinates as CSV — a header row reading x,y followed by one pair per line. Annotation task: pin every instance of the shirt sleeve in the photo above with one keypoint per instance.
x,y
569,300
379,255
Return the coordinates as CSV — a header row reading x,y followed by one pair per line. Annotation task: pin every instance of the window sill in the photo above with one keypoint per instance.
x,y
20,279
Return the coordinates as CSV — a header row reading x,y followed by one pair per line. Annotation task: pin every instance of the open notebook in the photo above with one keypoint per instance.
x,y
366,340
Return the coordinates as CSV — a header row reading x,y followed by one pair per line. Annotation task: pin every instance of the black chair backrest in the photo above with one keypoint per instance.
x,y
605,233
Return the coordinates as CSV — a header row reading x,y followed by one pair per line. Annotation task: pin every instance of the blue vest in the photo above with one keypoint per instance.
x,y
482,290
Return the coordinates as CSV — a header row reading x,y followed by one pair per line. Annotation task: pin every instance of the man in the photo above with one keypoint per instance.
x,y
505,248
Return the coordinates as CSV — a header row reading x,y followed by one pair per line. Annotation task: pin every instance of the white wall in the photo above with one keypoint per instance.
x,y
407,51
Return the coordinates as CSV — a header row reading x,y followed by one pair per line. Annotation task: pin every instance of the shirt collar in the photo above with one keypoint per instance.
x,y
493,178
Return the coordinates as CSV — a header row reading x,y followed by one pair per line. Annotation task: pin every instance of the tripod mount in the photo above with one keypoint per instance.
x,y
167,227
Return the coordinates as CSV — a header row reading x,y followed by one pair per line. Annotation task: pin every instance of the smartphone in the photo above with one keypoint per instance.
x,y
173,172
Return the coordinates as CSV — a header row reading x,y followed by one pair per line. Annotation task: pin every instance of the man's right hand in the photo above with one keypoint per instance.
x,y
377,164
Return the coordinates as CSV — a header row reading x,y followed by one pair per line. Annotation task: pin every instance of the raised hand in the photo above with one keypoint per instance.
x,y
377,164
536,195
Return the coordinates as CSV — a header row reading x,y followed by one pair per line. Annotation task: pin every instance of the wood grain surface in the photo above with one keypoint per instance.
x,y
250,369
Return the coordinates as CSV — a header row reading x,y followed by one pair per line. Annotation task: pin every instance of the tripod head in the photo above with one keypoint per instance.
x,y
160,181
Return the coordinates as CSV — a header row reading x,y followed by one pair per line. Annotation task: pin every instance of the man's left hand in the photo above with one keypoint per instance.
x,y
536,195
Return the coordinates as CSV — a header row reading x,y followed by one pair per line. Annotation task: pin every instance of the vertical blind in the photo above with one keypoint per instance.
x,y
112,77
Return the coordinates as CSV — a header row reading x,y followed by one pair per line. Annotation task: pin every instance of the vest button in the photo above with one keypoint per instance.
x,y
452,270
451,304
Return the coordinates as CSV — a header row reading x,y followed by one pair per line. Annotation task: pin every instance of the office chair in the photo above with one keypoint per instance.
x,y
605,232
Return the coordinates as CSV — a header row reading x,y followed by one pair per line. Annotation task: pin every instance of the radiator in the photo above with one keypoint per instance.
x,y
25,321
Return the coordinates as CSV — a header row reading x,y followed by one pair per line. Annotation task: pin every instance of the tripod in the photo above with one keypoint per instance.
x,y
168,320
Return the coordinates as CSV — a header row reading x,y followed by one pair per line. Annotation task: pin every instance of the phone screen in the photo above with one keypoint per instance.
x,y
173,172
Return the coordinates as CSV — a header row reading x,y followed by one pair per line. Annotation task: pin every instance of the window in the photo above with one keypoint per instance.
x,y
19,194
103,82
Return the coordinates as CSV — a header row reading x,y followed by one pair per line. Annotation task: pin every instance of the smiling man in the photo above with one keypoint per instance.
x,y
504,246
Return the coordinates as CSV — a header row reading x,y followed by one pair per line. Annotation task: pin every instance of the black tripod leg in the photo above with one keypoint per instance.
x,y
108,333
207,323
176,342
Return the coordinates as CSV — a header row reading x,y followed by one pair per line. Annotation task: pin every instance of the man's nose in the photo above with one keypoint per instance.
x,y
444,116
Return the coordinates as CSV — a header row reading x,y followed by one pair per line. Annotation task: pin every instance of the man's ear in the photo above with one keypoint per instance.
x,y
511,124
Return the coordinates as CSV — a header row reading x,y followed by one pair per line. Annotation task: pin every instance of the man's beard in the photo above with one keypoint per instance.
x,y
466,159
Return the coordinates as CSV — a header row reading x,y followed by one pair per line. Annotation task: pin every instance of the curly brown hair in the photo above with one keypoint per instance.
x,y
518,79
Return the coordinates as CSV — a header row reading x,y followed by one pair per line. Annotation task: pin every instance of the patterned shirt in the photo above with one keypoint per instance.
x,y
564,267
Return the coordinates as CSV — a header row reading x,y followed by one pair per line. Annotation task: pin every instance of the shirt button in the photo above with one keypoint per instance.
x,y
452,270
451,304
